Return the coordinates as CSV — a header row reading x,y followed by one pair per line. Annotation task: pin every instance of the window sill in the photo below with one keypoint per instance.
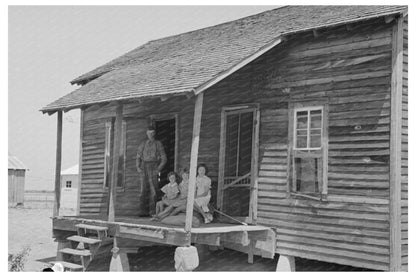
x,y
316,197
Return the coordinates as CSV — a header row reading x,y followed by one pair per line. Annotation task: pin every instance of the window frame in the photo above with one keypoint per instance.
x,y
70,184
321,153
308,109
109,126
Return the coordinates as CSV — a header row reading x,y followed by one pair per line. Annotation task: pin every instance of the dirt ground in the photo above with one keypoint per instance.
x,y
33,228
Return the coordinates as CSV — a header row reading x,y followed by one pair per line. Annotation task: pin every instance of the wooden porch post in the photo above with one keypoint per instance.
x,y
81,138
116,151
395,145
57,202
193,163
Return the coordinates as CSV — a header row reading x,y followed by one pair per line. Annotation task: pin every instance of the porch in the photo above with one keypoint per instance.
x,y
126,235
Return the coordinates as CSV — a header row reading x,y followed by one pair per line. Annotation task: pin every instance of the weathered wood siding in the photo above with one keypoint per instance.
x,y
94,197
352,68
404,207
16,186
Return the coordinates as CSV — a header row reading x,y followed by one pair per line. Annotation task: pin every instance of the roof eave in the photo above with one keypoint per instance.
x,y
227,72
140,98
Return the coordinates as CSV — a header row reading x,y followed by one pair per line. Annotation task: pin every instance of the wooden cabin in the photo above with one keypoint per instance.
x,y
16,181
300,114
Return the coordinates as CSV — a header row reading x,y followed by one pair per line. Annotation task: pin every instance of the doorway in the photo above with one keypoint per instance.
x,y
166,133
237,152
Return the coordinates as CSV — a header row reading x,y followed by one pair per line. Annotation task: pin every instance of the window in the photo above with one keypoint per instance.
x,y
68,184
308,148
109,145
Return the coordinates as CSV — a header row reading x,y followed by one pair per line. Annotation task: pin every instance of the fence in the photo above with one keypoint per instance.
x,y
39,199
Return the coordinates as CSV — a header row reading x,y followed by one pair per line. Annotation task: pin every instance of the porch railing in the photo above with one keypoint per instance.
x,y
237,181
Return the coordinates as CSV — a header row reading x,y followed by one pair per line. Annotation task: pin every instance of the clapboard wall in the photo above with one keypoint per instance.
x,y
351,68
16,186
348,65
404,207
94,197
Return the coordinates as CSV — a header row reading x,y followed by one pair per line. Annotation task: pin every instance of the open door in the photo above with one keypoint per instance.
x,y
166,132
238,150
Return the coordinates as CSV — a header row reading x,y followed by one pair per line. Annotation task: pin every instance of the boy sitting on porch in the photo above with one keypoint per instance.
x,y
180,200
171,191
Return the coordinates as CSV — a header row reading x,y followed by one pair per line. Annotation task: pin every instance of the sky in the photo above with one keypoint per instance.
x,y
51,45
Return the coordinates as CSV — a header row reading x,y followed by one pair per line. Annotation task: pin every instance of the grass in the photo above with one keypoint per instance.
x,y
31,228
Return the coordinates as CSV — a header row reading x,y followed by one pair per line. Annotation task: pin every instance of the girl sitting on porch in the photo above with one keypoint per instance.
x,y
202,195
180,201
203,192
171,191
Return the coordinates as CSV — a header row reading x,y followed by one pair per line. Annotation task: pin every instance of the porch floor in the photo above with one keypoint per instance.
x,y
134,232
213,227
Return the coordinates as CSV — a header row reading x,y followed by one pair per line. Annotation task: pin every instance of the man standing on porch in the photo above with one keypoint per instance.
x,y
150,160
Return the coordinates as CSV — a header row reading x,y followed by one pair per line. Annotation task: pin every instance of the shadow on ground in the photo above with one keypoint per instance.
x,y
161,258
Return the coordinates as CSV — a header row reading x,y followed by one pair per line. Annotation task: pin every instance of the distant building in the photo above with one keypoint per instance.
x,y
69,189
17,172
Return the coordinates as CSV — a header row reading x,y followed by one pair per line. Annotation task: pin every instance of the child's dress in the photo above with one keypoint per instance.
x,y
183,195
203,185
171,191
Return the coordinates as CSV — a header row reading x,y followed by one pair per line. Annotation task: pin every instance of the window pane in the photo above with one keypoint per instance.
x,y
316,119
315,132
306,174
302,133
315,141
301,142
302,120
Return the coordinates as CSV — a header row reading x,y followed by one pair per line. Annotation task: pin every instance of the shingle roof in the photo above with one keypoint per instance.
x,y
73,170
15,163
184,62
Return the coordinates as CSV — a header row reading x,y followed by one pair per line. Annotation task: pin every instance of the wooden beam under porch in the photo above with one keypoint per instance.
x,y
259,240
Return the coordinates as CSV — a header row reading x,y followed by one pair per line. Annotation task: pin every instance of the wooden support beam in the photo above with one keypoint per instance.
x,y
165,97
170,237
193,163
116,151
119,260
240,237
390,18
395,146
208,239
286,264
189,95
58,162
239,65
250,253
254,168
81,137
221,164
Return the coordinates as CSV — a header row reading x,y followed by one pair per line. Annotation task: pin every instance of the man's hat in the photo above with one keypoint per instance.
x,y
151,128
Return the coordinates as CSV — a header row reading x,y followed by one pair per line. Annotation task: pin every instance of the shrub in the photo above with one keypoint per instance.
x,y
17,261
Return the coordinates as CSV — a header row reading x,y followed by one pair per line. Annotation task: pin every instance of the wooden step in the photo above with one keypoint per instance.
x,y
68,265
91,227
84,239
84,253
